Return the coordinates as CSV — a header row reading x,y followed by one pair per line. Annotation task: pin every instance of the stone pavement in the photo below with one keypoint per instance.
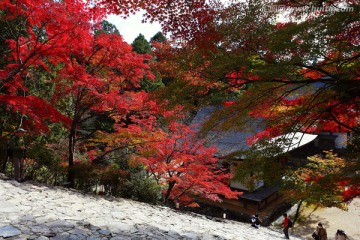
x,y
30,211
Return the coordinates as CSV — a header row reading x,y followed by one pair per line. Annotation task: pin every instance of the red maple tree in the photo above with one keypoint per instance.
x,y
185,168
89,73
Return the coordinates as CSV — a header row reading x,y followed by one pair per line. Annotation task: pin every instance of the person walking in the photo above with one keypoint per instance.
x,y
341,235
320,232
286,226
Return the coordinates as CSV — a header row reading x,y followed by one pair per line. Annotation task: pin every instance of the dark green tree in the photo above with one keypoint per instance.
x,y
107,28
141,45
158,37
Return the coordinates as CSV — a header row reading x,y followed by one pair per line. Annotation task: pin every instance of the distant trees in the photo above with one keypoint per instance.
x,y
141,45
106,27
158,37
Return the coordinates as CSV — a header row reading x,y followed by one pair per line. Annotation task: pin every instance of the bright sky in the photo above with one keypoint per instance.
x,y
131,27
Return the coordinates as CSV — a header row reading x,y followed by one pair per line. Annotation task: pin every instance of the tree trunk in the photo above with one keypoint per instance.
x,y
297,213
170,187
18,166
3,154
72,141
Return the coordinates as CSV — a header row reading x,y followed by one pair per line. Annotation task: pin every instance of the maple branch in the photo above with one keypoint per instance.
x,y
185,191
245,107
318,69
283,96
355,130
310,106
157,178
120,147
35,52
312,120
335,203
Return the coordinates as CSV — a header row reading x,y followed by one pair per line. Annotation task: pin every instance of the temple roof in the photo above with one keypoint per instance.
x,y
228,142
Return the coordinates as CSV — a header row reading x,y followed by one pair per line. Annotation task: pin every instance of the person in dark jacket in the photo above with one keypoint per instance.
x,y
320,233
256,221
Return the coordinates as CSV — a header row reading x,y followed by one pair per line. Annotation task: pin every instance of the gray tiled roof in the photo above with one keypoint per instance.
x,y
226,142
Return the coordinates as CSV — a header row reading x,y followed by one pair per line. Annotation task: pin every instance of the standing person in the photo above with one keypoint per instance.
x,y
286,226
17,150
256,221
320,233
253,220
341,235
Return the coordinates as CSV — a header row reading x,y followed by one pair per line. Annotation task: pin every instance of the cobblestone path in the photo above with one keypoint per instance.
x,y
30,211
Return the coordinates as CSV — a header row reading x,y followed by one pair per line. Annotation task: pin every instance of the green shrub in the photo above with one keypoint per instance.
x,y
113,179
141,188
86,176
